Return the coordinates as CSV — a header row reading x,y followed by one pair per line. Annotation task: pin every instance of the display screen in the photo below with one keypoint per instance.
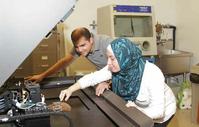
x,y
133,26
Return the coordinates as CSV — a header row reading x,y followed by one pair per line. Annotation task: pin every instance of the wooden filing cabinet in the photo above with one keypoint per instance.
x,y
24,69
47,53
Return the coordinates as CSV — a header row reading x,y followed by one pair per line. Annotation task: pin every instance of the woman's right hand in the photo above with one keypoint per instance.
x,y
35,78
65,94
68,92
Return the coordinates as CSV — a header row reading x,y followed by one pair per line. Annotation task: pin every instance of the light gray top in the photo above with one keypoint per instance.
x,y
98,52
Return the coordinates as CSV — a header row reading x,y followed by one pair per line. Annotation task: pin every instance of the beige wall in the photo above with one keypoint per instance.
x,y
86,10
188,27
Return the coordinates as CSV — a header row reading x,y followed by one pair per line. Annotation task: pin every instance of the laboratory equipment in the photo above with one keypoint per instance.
x,y
23,25
194,77
134,22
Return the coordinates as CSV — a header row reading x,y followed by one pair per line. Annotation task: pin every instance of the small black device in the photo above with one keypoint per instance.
x,y
34,92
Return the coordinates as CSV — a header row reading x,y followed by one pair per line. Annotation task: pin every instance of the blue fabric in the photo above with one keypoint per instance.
x,y
126,82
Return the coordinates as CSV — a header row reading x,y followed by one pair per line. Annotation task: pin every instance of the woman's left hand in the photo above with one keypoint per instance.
x,y
101,87
130,104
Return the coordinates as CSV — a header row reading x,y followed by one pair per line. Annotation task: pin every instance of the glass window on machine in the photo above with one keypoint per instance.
x,y
133,26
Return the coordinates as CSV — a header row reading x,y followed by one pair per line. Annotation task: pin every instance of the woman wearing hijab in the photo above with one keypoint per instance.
x,y
137,81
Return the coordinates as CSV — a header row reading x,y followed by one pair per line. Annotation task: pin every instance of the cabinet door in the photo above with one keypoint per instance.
x,y
48,45
25,69
46,54
42,61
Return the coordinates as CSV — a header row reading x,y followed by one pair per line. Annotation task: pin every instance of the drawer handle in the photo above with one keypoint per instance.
x,y
44,57
20,68
44,65
43,45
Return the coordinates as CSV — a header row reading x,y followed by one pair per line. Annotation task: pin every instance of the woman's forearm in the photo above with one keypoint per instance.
x,y
74,87
94,78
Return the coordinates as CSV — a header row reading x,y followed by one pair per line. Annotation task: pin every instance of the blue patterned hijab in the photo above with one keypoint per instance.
x,y
126,82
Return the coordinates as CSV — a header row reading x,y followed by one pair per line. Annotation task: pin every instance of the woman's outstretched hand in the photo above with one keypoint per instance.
x,y
65,94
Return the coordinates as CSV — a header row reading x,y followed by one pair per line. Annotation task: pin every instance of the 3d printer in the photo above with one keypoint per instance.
x,y
23,104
